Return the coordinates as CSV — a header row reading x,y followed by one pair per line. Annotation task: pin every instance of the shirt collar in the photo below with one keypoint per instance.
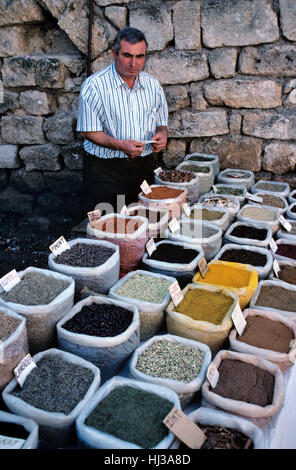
x,y
119,81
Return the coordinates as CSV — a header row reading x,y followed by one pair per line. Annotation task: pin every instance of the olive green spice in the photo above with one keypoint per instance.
x,y
146,288
230,191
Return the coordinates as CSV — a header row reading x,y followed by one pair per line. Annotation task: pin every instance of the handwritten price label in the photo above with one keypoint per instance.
x,y
176,293
174,225
238,319
185,429
145,187
213,375
203,266
24,368
150,246
59,246
10,280
285,223
93,217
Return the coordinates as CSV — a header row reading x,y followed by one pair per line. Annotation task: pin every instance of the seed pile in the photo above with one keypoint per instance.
x,y
171,253
277,297
246,231
13,430
244,256
206,214
176,176
271,200
8,325
266,186
146,288
230,191
171,360
288,274
35,288
289,251
219,437
55,385
102,320
85,255
258,213
196,168
219,202
201,159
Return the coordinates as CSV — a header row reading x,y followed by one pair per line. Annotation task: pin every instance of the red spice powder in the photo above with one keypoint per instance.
x,y
163,192
118,225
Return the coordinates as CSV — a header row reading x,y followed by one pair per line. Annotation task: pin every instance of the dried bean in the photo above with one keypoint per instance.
x,y
85,255
8,325
244,256
146,288
219,437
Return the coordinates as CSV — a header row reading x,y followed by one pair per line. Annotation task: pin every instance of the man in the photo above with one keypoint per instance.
x,y
120,108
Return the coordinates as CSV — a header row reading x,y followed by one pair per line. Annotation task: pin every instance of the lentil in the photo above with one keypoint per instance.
x,y
176,176
244,256
289,251
288,274
258,213
266,186
146,288
271,200
171,360
171,253
196,168
104,320
163,192
55,385
245,231
85,255
230,191
35,288
8,325
219,437
274,296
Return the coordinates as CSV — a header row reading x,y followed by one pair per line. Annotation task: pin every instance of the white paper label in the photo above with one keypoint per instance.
x,y
10,280
124,210
214,188
203,266
254,198
213,375
238,319
273,245
93,217
24,368
176,293
285,223
145,187
186,209
158,170
185,429
150,246
147,141
174,225
7,442
59,246
276,267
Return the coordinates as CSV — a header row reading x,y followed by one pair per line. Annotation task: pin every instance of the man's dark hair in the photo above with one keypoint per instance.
x,y
131,35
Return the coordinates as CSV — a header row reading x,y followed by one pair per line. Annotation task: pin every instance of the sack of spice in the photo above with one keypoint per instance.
x,y
225,424
129,233
158,219
149,292
259,258
276,296
272,200
13,343
230,203
286,251
216,215
248,233
177,259
102,331
18,432
43,297
203,315
202,233
281,188
203,170
254,387
204,158
291,211
241,279
171,361
267,334
291,235
237,191
91,263
259,214
53,394
165,197
127,414
236,177
292,196
175,178
286,273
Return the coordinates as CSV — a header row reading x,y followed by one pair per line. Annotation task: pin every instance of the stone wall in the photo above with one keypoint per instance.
x,y
228,68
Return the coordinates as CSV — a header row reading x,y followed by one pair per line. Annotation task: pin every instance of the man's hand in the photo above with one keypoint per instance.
x,y
161,139
132,148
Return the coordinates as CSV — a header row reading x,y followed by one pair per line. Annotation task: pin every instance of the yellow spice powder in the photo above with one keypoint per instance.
x,y
205,305
227,276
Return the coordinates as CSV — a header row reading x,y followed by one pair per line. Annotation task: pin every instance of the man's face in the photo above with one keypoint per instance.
x,y
130,59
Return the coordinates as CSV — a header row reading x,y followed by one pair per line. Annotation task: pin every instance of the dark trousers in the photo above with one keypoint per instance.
x,y
105,179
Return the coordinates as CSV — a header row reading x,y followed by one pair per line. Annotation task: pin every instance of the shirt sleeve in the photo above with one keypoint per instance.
x,y
90,110
162,110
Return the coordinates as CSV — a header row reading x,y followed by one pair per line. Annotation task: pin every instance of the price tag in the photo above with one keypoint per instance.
x,y
7,442
176,293
158,170
93,217
59,246
145,187
276,267
203,266
174,225
186,209
254,198
273,245
238,319
10,280
150,246
213,375
185,429
214,188
24,368
285,223
124,210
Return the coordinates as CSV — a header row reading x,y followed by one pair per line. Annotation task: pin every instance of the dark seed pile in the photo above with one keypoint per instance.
x,y
176,176
244,256
13,430
8,325
245,231
171,253
219,437
85,255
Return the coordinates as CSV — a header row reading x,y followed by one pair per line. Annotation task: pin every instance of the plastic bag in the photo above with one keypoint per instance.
x,y
97,278
288,314
96,439
277,187
206,199
204,234
30,426
262,271
196,214
205,158
151,314
281,210
292,196
228,238
204,332
273,212
244,293
220,189
42,319
192,186
290,214
205,179
283,360
211,417
281,264
172,205
157,221
13,349
283,233
284,241
185,390
243,408
107,353
131,245
236,177
56,429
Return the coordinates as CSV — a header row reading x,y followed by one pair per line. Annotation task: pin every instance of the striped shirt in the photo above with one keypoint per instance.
x,y
106,103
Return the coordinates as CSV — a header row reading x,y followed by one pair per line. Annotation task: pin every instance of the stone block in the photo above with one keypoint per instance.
x,y
22,129
117,15
235,123
59,128
68,103
191,124
105,59
270,125
73,155
177,97
55,7
244,93
41,157
27,181
10,101
198,102
278,60
12,41
186,19
238,23
50,73
289,178
174,153
104,3
64,181
288,18
9,156
19,12
15,201
19,71
279,157
37,102
223,62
